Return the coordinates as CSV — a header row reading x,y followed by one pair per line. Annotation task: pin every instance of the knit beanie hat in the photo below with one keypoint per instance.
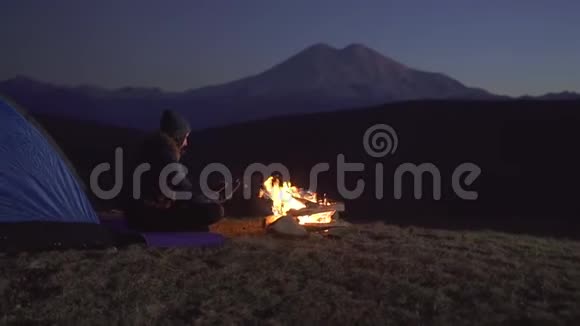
x,y
174,125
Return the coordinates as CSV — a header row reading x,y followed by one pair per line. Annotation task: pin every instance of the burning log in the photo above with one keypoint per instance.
x,y
336,207
334,224
298,207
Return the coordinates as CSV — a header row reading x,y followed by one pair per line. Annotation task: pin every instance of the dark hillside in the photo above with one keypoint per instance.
x,y
525,149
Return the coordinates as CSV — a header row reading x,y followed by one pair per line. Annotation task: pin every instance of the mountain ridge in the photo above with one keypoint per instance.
x,y
354,71
320,78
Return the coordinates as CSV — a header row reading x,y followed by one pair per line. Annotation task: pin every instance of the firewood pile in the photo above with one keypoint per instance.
x,y
299,213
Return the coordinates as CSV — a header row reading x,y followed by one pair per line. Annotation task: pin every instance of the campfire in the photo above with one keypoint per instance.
x,y
304,207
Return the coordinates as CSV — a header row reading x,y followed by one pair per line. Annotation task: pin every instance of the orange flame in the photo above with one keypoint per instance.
x,y
286,197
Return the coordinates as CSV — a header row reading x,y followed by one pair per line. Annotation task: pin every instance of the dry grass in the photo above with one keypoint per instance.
x,y
375,274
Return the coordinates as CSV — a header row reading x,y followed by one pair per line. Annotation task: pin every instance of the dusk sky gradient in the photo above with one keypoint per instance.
x,y
507,47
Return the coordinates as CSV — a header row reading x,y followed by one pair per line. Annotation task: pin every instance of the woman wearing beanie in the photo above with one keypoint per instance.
x,y
154,210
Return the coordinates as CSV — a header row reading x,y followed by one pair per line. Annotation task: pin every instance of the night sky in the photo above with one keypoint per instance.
x,y
508,47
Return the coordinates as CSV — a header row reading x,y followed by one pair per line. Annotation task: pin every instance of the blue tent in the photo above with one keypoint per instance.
x,y
42,203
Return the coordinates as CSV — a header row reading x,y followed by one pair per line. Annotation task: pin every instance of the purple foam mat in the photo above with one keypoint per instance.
x,y
169,239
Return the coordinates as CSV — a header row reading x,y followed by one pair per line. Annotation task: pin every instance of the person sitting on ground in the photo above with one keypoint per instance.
x,y
155,209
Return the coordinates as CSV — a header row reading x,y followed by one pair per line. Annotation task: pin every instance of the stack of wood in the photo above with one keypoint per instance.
x,y
289,225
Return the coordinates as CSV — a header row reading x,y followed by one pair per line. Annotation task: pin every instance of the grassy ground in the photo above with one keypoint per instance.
x,y
375,274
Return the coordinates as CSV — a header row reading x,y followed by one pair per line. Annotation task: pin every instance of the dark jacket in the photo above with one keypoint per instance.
x,y
159,151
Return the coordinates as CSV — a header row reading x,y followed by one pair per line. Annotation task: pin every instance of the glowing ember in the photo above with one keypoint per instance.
x,y
286,197
325,217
